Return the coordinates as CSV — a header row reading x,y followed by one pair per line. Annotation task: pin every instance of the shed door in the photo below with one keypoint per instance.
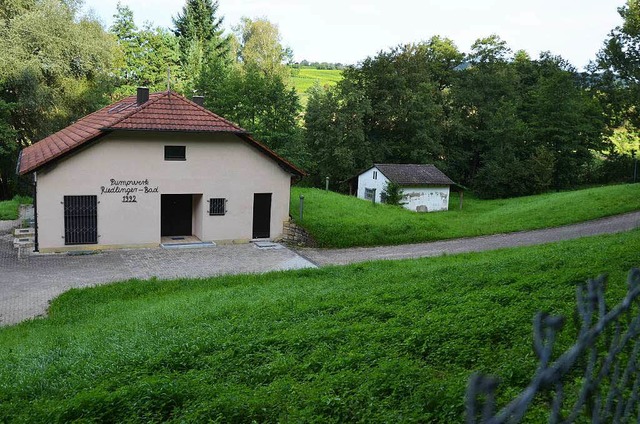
x,y
262,215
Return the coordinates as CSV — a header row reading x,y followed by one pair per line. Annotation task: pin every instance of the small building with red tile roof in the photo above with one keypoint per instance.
x,y
155,168
424,187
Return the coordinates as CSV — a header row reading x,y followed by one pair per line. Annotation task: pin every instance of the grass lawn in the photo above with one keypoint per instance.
x,y
387,341
337,220
305,77
9,209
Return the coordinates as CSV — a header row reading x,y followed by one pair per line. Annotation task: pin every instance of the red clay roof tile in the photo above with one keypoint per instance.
x,y
166,111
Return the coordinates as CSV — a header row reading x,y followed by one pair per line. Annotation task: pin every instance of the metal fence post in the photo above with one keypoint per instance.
x,y
326,183
301,206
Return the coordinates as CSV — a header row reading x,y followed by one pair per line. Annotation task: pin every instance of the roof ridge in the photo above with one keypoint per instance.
x,y
141,107
204,109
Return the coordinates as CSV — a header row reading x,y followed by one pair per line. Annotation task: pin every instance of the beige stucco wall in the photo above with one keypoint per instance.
x,y
217,165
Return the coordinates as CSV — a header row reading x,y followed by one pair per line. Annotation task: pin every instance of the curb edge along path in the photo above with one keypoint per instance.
x,y
608,225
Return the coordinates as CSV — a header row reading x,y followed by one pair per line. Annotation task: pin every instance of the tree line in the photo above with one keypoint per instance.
x,y
496,121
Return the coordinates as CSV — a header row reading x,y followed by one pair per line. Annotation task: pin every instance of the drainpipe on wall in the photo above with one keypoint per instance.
x,y
35,211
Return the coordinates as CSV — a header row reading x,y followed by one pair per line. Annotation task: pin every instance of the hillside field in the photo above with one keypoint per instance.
x,y
387,341
337,220
305,77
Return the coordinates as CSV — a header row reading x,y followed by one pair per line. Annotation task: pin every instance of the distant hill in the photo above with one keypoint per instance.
x,y
304,77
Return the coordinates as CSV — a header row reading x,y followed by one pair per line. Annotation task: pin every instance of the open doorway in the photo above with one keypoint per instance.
x,y
176,211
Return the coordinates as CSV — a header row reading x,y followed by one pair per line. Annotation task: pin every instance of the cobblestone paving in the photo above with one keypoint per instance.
x,y
27,285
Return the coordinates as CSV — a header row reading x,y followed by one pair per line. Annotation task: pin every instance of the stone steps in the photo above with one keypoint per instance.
x,y
24,232
24,240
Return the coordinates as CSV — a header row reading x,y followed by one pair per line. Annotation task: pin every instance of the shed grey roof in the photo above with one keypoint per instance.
x,y
413,174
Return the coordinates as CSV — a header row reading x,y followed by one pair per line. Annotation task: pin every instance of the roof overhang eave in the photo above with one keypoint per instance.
x,y
111,129
18,163
62,154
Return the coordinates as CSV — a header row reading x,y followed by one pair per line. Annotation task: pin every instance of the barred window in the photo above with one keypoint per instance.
x,y
369,193
217,206
80,220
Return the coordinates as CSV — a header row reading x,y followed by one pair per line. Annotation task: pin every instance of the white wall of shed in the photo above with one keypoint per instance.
x,y
433,198
365,180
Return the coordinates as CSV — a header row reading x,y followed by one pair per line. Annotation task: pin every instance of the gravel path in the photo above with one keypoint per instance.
x,y
8,226
613,224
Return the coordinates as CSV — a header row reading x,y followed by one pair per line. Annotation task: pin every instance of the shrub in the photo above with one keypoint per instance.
x,y
392,194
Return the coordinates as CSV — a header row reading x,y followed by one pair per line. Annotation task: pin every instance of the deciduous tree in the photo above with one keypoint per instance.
x,y
55,65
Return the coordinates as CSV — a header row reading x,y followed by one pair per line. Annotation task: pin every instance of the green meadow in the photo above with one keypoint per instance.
x,y
305,77
387,341
337,220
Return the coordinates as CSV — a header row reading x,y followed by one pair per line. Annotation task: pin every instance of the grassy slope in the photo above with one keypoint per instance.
x,y
342,221
305,77
375,342
9,209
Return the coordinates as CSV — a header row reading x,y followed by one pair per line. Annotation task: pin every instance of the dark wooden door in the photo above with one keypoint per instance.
x,y
262,215
175,214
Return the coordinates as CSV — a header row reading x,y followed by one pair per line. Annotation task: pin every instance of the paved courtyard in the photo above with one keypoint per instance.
x,y
27,285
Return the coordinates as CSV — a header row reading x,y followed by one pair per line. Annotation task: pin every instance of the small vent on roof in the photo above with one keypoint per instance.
x,y
143,95
199,100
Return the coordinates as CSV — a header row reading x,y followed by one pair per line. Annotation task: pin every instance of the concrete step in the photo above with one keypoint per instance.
x,y
22,242
24,232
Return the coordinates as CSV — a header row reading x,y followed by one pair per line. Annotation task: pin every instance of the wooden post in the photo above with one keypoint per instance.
x,y
461,197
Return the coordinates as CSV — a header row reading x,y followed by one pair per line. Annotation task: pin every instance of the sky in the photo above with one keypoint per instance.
x,y
348,31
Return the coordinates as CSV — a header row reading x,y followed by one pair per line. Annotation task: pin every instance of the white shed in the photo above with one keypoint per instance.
x,y
425,187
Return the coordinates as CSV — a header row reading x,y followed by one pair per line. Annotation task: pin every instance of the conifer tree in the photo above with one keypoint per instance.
x,y
198,24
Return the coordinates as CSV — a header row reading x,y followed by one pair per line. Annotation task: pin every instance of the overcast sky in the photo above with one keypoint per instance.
x,y
348,31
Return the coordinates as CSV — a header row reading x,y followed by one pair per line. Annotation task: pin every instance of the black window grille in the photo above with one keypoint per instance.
x,y
80,220
175,153
217,206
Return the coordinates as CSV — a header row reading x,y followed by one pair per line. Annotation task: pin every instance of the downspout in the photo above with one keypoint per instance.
x,y
35,211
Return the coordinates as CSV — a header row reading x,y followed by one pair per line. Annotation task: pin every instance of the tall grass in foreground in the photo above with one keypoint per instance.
x,y
336,220
386,341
